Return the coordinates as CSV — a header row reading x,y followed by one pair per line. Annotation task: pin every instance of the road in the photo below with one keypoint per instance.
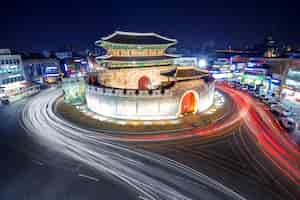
x,y
150,175
31,172
254,157
62,159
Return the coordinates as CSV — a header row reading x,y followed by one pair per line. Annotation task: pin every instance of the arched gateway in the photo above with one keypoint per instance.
x,y
188,103
144,83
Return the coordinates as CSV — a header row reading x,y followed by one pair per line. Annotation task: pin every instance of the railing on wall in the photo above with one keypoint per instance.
x,y
129,92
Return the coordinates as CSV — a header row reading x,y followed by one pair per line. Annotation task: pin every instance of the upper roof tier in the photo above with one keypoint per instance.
x,y
131,38
138,58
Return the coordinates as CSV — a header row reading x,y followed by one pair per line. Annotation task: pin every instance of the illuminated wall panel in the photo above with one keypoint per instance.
x,y
144,106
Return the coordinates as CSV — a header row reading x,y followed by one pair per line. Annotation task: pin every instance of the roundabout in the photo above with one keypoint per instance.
x,y
101,149
102,152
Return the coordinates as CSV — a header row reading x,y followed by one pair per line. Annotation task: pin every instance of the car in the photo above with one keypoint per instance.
x,y
274,105
256,95
271,101
297,130
287,123
286,113
276,110
265,100
5,100
262,97
251,92
251,89
244,88
238,86
230,84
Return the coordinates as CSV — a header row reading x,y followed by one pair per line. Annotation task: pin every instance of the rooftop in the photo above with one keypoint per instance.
x,y
120,37
137,58
181,73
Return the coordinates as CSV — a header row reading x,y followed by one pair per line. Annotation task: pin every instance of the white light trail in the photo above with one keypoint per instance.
x,y
152,176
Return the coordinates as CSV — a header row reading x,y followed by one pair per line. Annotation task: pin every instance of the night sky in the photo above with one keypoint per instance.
x,y
44,24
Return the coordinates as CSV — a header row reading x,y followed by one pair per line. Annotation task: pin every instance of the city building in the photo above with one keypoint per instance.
x,y
287,71
230,63
74,66
186,61
271,49
11,73
258,75
139,81
13,85
38,68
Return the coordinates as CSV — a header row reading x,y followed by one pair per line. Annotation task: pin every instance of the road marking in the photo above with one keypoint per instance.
x,y
88,177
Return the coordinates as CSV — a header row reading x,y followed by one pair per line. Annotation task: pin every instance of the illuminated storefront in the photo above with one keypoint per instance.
x,y
290,93
41,69
12,79
75,66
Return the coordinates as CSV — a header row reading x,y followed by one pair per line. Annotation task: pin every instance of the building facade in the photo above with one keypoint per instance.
x,y
44,70
288,72
11,73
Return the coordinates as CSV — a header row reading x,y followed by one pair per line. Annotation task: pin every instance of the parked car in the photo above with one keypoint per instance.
x,y
286,113
262,97
276,110
256,95
265,100
244,88
287,123
238,86
4,100
231,84
251,92
271,101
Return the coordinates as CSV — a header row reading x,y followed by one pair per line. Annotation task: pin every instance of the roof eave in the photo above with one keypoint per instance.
x,y
172,41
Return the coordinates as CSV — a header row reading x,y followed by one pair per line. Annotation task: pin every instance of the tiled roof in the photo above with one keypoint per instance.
x,y
180,73
138,58
137,38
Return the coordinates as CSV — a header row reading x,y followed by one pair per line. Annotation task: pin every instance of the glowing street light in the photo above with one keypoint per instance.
x,y
202,63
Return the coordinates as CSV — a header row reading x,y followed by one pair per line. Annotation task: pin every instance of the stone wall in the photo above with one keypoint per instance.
x,y
146,105
131,105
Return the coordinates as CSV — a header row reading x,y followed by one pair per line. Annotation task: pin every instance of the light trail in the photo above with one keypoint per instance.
x,y
271,138
152,176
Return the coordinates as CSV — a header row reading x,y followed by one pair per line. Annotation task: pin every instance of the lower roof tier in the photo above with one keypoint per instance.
x,y
135,58
185,73
125,62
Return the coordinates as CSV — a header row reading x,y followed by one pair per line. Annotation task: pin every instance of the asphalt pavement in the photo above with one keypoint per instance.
x,y
54,159
29,171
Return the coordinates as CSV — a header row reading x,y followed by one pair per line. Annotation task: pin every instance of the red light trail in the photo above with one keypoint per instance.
x,y
273,141
271,138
